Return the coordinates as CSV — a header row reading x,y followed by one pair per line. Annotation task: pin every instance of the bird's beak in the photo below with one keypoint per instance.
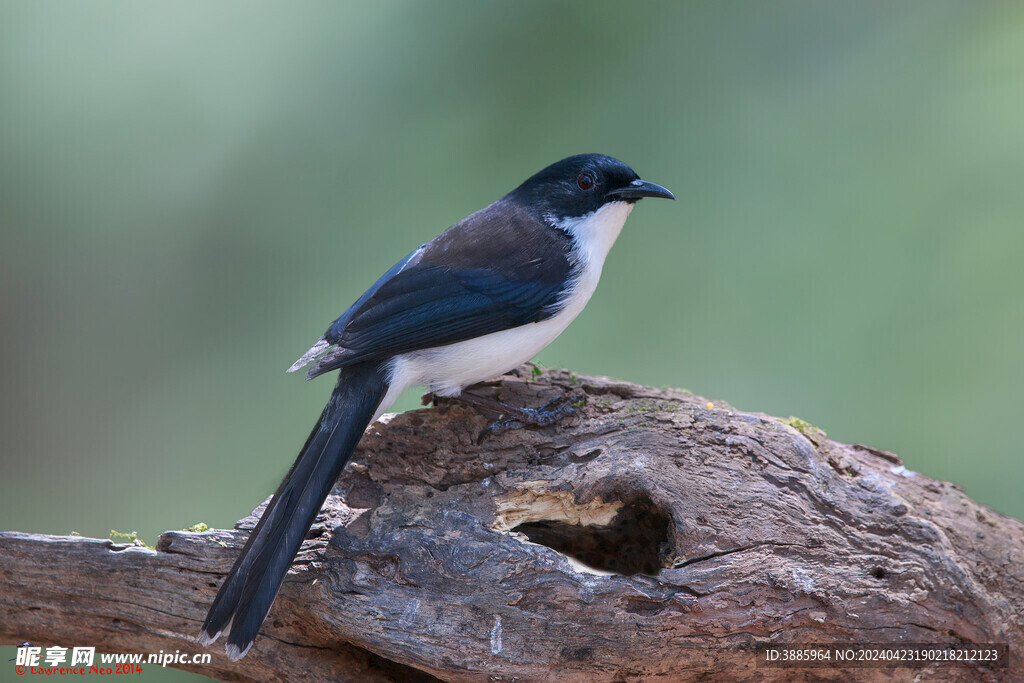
x,y
641,188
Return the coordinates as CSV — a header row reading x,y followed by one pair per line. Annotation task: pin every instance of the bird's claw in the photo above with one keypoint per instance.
x,y
550,413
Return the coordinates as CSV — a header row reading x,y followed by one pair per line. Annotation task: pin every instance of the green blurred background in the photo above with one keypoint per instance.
x,y
191,192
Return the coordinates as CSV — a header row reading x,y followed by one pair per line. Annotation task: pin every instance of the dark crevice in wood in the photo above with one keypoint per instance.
x,y
636,542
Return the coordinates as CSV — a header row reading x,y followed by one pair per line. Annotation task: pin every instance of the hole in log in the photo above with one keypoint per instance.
x,y
395,671
627,538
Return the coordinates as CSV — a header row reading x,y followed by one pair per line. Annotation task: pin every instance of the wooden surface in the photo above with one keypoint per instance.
x,y
707,532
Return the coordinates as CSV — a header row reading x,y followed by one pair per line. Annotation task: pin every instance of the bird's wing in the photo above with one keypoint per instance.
x,y
476,278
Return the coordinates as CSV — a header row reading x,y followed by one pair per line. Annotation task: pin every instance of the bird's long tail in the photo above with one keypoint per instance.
x,y
252,584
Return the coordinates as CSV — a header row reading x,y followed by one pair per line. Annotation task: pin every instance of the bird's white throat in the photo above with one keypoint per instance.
x,y
595,233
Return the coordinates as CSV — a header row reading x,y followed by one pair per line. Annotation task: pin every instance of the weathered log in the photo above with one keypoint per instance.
x,y
652,536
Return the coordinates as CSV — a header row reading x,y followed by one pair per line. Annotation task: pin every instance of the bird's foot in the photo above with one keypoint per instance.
x,y
516,418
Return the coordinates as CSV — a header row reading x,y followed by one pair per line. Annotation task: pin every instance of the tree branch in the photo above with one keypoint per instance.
x,y
669,539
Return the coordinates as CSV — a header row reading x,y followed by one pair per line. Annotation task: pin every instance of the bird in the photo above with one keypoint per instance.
x,y
481,298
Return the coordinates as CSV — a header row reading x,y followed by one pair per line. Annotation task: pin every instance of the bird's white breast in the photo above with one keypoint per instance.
x,y
447,369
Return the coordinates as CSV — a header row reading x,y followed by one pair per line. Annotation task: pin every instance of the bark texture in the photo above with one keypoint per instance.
x,y
652,536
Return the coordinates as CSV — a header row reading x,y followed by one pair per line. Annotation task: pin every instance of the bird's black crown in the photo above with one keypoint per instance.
x,y
577,185
581,184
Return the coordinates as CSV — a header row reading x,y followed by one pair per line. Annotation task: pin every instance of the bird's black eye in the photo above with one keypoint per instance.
x,y
586,180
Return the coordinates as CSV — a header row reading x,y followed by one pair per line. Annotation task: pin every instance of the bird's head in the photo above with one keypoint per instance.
x,y
580,185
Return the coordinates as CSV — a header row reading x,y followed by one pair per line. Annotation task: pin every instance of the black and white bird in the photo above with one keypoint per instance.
x,y
479,299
